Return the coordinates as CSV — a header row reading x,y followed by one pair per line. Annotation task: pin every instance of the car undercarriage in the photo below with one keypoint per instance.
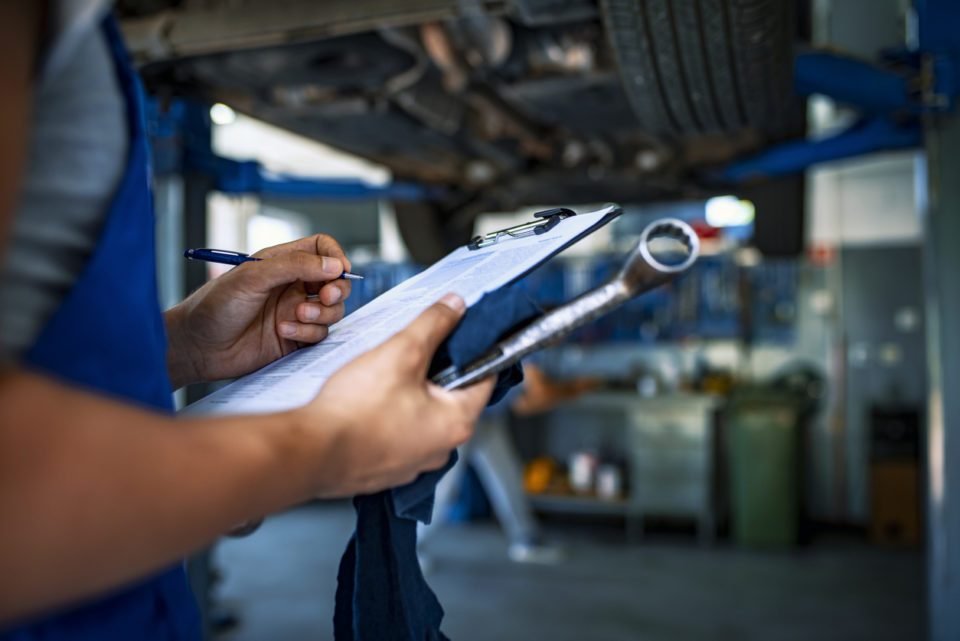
x,y
495,104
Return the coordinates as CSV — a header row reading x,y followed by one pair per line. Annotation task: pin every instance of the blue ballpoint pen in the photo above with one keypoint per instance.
x,y
227,257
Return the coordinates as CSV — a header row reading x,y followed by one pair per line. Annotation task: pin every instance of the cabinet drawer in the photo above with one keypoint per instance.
x,y
669,500
676,431
679,465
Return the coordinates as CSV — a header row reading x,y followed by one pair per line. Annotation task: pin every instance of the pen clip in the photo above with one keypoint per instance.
x,y
548,219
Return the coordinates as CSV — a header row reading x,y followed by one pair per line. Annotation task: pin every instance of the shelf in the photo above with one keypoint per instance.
x,y
579,504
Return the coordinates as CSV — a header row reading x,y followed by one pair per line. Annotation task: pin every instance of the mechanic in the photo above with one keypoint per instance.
x,y
498,466
102,490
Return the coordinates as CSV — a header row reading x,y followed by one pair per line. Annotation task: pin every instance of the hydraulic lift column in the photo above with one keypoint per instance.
x,y
942,276
940,44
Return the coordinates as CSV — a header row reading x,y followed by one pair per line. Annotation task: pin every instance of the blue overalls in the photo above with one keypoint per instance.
x,y
108,335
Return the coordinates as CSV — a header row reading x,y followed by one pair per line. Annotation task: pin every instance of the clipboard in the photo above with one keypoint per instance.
x,y
505,257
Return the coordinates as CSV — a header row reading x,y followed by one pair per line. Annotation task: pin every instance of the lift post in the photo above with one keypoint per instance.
x,y
938,37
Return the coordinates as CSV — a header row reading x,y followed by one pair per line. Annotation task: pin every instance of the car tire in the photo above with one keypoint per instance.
x,y
429,230
700,66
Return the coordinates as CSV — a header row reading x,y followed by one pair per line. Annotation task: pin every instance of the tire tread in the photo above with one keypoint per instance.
x,y
700,66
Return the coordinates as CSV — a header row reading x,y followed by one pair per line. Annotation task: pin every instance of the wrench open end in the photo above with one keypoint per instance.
x,y
669,245
667,248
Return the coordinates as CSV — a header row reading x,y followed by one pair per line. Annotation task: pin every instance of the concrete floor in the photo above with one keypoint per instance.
x,y
282,580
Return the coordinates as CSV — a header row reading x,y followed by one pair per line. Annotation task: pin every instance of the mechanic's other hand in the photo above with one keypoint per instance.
x,y
390,422
258,311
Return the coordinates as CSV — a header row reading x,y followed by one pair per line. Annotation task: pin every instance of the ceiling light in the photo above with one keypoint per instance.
x,y
221,114
729,211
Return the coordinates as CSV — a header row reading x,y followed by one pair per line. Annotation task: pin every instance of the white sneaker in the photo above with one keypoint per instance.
x,y
540,553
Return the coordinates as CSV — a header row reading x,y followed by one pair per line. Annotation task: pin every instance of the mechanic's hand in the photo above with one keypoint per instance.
x,y
258,311
541,394
390,422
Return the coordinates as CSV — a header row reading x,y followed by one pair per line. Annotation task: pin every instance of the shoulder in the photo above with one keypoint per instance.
x,y
69,22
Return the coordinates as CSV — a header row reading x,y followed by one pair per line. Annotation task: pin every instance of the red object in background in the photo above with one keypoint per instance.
x,y
705,230
822,255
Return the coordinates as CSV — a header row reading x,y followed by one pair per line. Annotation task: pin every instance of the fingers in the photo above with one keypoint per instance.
x,y
329,293
436,462
324,245
428,330
315,260
318,245
461,408
473,398
281,269
301,332
334,292
317,314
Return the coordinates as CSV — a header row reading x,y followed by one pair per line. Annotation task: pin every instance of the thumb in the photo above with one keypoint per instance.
x,y
434,324
473,398
286,268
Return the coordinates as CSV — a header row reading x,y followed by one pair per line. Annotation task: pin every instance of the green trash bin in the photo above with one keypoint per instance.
x,y
763,438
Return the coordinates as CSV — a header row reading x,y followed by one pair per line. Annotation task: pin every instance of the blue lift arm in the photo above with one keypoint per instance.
x,y
180,136
891,98
868,135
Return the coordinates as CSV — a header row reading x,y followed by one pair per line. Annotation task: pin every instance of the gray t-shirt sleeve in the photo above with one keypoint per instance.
x,y
76,160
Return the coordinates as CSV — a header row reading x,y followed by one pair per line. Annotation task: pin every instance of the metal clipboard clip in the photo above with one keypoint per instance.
x,y
548,219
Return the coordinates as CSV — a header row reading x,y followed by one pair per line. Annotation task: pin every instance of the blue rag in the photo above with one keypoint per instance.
x,y
381,592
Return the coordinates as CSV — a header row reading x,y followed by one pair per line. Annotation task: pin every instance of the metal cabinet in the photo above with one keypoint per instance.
x,y
666,443
670,449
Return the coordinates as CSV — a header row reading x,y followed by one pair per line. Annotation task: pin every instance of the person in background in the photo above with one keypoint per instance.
x,y
103,490
493,455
